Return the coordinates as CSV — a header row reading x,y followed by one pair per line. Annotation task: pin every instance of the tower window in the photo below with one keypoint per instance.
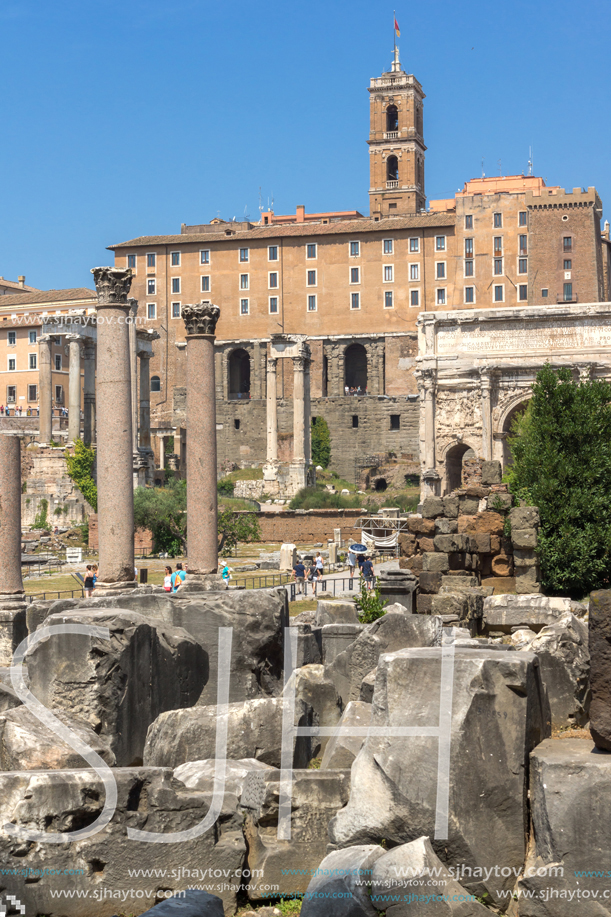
x,y
204,256
469,268
354,275
175,310
544,293
311,250
175,256
392,118
273,305
355,421
388,273
567,264
523,241
522,218
388,301
441,270
568,292
441,297
206,283
131,261
395,421
392,169
567,244
236,423
440,243
175,284
273,280
355,249
498,245
151,259
244,309
468,248
311,303
311,278
498,265
498,293
355,301
155,384
272,253
243,254
243,281
414,272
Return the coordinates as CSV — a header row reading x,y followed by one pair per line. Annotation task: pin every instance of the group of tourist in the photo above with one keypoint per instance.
x,y
172,581
91,578
354,390
314,572
18,411
365,565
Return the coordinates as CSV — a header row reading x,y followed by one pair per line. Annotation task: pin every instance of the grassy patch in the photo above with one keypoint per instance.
x,y
245,474
313,498
295,608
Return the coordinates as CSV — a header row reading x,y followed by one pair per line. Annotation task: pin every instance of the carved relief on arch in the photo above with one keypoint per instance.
x,y
458,411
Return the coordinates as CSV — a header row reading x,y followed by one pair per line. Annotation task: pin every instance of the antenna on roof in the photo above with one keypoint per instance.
x,y
483,173
530,160
260,201
246,214
500,168
272,207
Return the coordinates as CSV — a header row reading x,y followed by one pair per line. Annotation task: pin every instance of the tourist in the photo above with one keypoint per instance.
x,y
88,582
313,576
226,574
1,409
319,564
178,578
347,391
94,570
367,571
351,562
360,559
167,579
299,573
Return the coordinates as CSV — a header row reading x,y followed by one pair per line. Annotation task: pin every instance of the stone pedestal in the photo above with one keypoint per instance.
x,y
114,439
288,556
45,401
12,604
74,384
399,586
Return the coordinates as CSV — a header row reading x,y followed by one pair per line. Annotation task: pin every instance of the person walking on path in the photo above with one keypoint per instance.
x,y
367,572
313,574
319,564
94,570
88,582
167,579
178,578
351,562
299,573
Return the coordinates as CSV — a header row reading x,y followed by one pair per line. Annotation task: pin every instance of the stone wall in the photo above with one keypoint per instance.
x,y
143,539
307,526
47,479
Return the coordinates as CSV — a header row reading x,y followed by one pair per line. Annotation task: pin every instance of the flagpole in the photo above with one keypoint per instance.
x,y
394,32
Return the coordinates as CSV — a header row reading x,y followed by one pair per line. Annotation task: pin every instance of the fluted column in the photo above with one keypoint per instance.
x,y
89,349
272,411
45,402
145,400
202,522
298,409
74,385
486,385
114,434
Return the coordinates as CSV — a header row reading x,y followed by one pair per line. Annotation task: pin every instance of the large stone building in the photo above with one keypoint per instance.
x,y
355,287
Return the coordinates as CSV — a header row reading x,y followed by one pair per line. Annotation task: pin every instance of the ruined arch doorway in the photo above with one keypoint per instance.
x,y
355,368
454,465
239,374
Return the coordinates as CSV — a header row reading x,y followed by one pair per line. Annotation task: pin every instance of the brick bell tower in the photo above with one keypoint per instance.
x,y
396,143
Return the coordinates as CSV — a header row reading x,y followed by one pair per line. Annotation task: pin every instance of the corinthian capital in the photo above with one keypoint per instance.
x,y
112,285
201,318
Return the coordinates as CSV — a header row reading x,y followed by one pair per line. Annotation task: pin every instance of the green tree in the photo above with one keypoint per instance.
x,y
40,520
80,470
562,465
234,528
321,442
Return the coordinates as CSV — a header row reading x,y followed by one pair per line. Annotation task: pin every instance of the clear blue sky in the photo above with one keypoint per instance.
x,y
125,117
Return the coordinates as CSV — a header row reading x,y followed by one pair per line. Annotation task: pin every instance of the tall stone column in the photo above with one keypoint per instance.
x,y
298,409
272,411
486,386
145,400
430,476
45,400
307,407
133,362
89,349
74,385
12,607
202,511
114,439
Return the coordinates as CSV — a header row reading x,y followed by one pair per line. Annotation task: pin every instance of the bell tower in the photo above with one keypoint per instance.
x,y
396,143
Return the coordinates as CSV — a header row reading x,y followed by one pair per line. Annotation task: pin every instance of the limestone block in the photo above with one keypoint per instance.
x,y
524,558
27,745
467,506
499,502
149,799
336,613
431,507
199,775
342,750
424,604
570,788
367,686
316,797
524,585
336,638
445,526
492,473
450,507
407,544
502,565
435,563
419,526
413,564
118,686
524,517
481,523
453,582
600,667
492,730
288,556
194,903
430,582
339,885
309,644
467,604
8,698
524,538
426,545
12,628
482,543
504,612
313,688
451,543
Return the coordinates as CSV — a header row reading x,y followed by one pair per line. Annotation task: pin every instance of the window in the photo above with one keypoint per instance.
x,y
236,423
151,259
32,393
440,243
312,303
150,287
175,310
468,269
273,280
498,245
468,221
355,249
388,273
243,254
440,270
392,171
12,338
355,301
11,394
414,272
414,298
387,246
243,281
469,294
12,364
311,250
32,336
567,264
414,245
355,275
567,244
58,362
441,297
243,307
204,256
522,218
523,292
175,258
59,394
392,119
498,293
498,220
498,265
155,384
206,283
355,421
468,248
523,241
151,310
272,253
388,299
568,292
395,421
311,278
131,261
544,294
175,284
32,361
522,265
273,305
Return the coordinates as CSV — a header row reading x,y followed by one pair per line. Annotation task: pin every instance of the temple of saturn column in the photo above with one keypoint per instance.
x,y
12,604
475,372
288,478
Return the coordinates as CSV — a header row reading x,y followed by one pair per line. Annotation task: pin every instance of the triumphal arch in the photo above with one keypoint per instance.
x,y
476,368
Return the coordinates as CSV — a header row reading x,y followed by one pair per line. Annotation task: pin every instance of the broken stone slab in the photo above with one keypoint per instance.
x,y
492,472
445,526
148,799
309,645
254,731
8,698
193,903
570,788
406,872
316,797
502,612
199,775
435,563
432,507
336,638
389,633
118,686
600,667
487,523
26,744
338,887
367,686
13,627
524,517
336,613
467,603
313,688
499,714
342,750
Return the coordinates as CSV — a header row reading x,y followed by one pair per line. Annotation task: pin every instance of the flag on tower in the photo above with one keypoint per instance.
x,y
398,33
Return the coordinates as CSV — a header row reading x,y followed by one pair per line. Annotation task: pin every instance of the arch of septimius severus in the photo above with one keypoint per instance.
x,y
476,368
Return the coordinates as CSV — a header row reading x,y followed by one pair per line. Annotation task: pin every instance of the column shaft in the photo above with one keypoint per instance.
x,y
45,402
298,410
133,362
429,425
74,384
89,392
307,409
145,401
486,418
272,411
10,515
202,531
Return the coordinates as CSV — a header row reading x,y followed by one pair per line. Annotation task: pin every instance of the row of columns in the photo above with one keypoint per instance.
x,y
45,382
301,409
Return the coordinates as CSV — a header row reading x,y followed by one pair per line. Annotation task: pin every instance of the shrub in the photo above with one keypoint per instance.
x,y
40,520
80,470
370,604
321,442
225,487
313,498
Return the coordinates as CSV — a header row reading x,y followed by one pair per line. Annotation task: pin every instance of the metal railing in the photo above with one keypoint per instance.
x,y
43,596
324,585
263,582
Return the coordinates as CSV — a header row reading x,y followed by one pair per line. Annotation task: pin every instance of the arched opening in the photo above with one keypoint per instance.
x,y
355,369
513,415
454,465
392,169
380,484
392,118
155,384
239,374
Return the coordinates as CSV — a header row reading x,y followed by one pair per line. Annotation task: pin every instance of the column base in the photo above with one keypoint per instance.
x,y
102,588
202,582
13,628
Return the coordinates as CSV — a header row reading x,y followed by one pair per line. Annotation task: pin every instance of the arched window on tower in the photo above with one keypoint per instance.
x,y
239,374
155,384
355,369
392,169
392,119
